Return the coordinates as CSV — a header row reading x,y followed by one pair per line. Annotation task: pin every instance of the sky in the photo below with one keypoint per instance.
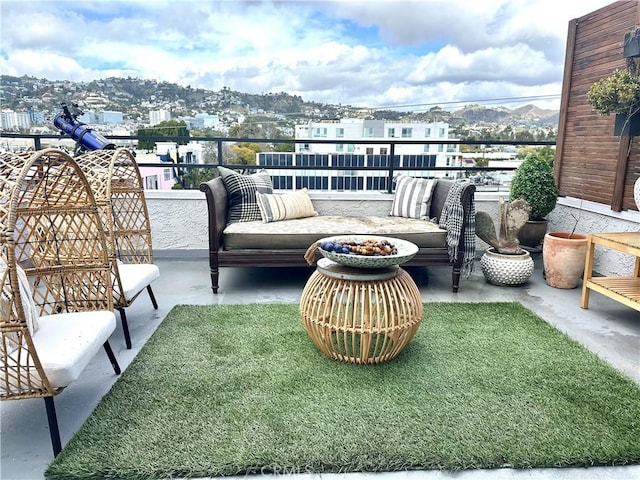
x,y
406,55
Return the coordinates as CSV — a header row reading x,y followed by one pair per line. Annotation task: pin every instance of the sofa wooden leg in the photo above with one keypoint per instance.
x,y
455,280
215,274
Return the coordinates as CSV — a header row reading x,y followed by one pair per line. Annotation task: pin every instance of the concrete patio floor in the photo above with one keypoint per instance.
x,y
610,330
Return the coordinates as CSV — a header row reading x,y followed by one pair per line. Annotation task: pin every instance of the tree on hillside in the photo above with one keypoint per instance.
x,y
168,128
245,153
546,153
246,130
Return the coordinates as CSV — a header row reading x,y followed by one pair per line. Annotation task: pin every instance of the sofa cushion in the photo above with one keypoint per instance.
x,y
300,233
412,198
285,206
241,194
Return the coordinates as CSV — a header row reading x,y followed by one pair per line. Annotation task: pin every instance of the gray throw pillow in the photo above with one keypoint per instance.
x,y
241,194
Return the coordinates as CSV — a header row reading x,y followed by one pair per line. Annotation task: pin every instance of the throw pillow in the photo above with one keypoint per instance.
x,y
412,198
286,206
241,194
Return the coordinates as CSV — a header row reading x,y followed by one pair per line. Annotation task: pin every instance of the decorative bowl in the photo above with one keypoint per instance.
x,y
406,251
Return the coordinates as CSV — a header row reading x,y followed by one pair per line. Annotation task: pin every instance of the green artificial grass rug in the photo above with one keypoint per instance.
x,y
229,389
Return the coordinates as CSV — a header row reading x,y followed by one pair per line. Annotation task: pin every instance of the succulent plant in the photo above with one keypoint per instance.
x,y
512,218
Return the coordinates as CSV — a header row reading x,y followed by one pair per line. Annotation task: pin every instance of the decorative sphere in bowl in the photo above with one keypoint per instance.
x,y
402,251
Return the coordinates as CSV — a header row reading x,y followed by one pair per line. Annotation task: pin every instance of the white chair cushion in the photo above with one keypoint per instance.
x,y
66,342
136,276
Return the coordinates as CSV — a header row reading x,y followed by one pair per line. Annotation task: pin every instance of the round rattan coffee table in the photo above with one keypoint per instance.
x,y
360,315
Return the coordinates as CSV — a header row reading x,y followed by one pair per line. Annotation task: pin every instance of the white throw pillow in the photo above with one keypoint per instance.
x,y
412,198
276,207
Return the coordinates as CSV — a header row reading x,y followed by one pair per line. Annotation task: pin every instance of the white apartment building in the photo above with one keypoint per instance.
x,y
190,153
157,116
359,129
11,120
351,166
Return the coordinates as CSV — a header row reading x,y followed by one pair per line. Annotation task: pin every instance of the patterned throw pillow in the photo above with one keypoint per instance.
x,y
286,206
241,194
413,197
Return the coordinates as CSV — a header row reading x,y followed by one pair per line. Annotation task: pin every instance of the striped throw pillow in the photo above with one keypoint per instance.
x,y
285,206
241,194
412,198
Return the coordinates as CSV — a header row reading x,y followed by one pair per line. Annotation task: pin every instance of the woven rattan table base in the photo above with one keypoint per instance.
x,y
360,315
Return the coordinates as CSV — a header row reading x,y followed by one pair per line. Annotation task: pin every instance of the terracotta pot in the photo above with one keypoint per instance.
x,y
506,270
563,257
532,233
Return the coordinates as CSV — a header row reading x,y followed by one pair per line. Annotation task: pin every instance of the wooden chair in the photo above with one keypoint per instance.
x,y
56,305
117,187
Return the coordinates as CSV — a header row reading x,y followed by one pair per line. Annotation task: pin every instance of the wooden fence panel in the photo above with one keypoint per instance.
x,y
587,159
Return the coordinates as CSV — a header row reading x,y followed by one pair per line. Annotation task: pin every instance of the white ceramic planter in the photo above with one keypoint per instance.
x,y
636,193
506,270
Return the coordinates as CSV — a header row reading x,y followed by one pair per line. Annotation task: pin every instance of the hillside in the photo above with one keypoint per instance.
x,y
136,97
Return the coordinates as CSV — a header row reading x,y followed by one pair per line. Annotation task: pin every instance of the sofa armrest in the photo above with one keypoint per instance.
x,y
460,251
440,192
217,206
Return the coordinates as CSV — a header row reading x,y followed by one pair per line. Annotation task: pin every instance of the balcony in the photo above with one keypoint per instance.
x,y
607,328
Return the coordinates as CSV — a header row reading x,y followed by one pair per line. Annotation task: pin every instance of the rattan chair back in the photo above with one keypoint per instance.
x,y
116,183
49,227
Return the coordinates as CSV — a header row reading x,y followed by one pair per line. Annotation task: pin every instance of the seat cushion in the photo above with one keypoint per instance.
x,y
135,277
66,342
300,233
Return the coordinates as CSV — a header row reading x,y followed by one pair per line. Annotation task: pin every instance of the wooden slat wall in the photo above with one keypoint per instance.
x,y
587,153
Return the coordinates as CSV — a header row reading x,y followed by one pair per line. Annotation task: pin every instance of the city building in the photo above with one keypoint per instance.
x,y
11,120
362,166
209,121
157,116
156,178
111,118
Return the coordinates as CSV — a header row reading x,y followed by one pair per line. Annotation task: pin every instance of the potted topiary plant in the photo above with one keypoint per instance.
x,y
534,182
619,93
505,262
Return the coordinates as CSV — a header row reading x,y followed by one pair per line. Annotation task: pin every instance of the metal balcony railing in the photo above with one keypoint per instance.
x,y
340,171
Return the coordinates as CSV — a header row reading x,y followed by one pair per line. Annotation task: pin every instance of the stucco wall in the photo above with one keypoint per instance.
x,y
589,217
179,220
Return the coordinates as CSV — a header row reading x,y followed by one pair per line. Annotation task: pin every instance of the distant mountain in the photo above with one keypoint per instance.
x,y
136,97
527,114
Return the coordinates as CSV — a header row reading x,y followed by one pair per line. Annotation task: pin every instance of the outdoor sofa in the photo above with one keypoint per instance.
x,y
284,243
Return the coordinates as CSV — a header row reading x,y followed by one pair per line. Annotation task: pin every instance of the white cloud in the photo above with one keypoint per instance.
x,y
374,53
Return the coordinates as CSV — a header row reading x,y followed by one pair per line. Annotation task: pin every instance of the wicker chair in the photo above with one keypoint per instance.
x,y
117,187
56,305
